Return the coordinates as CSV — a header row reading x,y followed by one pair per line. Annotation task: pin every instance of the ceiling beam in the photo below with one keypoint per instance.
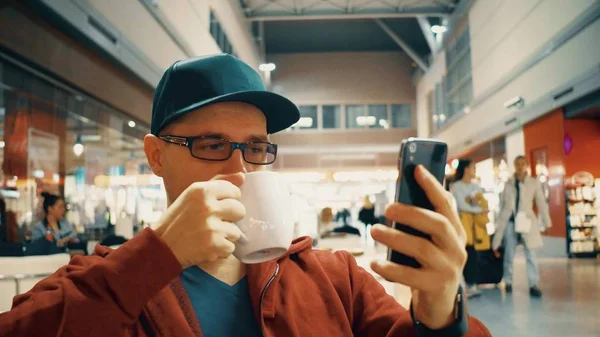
x,y
429,37
258,7
345,16
447,3
413,55
366,3
341,8
291,10
385,3
262,42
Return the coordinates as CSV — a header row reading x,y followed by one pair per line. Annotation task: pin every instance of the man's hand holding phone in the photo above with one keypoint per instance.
x,y
434,285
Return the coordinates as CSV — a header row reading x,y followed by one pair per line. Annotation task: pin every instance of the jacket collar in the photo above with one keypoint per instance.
x,y
262,283
513,178
263,278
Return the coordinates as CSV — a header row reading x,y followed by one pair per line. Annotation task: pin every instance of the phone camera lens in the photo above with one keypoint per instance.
x,y
412,148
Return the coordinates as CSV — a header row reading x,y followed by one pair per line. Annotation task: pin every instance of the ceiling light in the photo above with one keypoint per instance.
x,y
305,122
517,102
2,144
266,67
366,120
38,174
131,124
90,138
384,124
437,29
78,148
442,117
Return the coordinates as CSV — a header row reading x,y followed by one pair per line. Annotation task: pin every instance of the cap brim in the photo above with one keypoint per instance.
x,y
280,112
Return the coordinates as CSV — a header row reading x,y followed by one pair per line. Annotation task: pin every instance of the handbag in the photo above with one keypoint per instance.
x,y
522,223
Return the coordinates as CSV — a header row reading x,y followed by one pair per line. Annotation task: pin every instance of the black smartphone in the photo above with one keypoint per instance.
x,y
432,154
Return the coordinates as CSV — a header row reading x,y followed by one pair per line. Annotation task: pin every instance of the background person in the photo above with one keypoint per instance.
x,y
54,227
472,209
520,192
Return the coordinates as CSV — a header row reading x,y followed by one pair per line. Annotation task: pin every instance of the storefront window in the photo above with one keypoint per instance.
x,y
308,117
55,139
377,113
401,117
332,117
355,117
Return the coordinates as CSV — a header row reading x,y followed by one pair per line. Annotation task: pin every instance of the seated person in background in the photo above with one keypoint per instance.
x,y
326,223
327,227
54,227
344,216
347,229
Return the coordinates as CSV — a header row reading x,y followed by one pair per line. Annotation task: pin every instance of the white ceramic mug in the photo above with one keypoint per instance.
x,y
268,225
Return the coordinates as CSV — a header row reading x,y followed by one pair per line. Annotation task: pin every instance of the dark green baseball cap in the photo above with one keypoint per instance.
x,y
195,83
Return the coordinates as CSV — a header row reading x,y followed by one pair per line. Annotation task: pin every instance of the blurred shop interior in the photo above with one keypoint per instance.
x,y
75,100
59,140
494,79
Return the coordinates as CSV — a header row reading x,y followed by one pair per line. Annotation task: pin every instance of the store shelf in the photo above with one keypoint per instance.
x,y
584,255
577,201
592,238
583,213
582,238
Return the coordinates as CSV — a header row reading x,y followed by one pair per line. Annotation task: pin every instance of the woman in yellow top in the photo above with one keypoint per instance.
x,y
473,210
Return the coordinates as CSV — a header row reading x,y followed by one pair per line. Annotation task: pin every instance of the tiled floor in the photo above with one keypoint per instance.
x,y
570,305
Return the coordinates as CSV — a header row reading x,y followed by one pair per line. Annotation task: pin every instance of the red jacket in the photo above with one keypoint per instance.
x,y
135,291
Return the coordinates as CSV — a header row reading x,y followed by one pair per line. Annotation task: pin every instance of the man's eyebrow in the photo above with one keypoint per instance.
x,y
211,135
217,135
257,138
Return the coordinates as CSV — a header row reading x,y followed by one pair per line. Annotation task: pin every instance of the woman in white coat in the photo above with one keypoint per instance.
x,y
518,224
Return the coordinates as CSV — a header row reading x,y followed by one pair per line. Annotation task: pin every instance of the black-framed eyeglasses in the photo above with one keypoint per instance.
x,y
218,149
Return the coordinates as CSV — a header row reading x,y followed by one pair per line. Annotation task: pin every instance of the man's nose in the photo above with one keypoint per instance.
x,y
236,163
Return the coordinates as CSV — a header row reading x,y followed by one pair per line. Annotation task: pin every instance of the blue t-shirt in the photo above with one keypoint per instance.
x,y
221,309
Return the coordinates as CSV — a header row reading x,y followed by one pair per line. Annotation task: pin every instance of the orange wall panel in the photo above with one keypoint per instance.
x,y
547,134
584,156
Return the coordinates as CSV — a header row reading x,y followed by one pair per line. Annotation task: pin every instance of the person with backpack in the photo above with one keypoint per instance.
x,y
473,210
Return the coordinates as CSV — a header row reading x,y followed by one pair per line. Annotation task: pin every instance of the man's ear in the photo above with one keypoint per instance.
x,y
153,148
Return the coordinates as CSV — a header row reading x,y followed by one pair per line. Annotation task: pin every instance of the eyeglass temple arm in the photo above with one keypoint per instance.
x,y
175,140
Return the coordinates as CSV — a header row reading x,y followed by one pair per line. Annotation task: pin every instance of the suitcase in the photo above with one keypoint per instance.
x,y
491,268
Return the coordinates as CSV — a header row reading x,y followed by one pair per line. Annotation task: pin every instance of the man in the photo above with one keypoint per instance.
x,y
181,279
517,223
